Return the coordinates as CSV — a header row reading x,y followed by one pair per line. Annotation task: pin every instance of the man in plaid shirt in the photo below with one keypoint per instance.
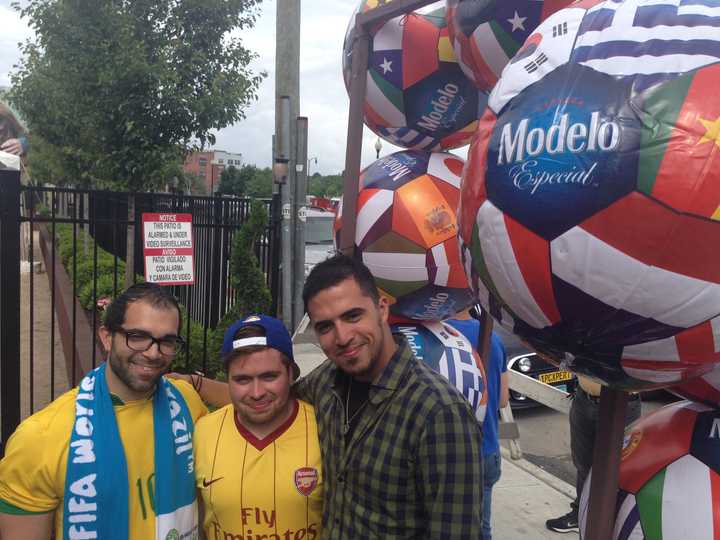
x,y
401,448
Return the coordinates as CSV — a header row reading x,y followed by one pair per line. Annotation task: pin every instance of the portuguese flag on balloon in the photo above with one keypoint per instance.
x,y
680,144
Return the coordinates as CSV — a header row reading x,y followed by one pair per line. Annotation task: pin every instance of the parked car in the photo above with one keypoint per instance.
x,y
318,237
523,360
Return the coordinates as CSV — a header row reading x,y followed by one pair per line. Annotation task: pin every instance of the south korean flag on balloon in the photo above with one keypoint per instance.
x,y
648,41
543,51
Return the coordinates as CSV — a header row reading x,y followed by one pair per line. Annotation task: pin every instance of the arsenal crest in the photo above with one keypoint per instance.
x,y
306,480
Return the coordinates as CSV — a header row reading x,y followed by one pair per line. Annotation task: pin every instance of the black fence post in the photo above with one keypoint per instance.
x,y
216,260
9,303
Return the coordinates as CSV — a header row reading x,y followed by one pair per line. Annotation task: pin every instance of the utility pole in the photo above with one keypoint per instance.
x,y
300,212
287,83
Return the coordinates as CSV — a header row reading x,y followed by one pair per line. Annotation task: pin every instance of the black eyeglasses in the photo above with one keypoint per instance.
x,y
141,342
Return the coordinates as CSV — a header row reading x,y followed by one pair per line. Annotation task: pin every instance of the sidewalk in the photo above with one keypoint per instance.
x,y
524,497
38,337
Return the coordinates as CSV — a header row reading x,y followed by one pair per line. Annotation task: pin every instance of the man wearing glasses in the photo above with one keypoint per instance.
x,y
112,458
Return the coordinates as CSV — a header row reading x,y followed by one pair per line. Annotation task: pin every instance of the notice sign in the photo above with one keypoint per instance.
x,y
168,249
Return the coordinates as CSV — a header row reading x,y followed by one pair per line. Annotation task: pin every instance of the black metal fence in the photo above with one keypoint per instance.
x,y
9,303
73,242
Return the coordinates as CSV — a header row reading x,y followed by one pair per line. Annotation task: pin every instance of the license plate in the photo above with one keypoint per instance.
x,y
555,376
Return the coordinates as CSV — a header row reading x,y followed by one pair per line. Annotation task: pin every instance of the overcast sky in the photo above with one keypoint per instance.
x,y
323,98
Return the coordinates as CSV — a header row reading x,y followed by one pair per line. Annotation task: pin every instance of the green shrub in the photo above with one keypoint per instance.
x,y
42,210
64,250
245,276
105,267
192,359
105,283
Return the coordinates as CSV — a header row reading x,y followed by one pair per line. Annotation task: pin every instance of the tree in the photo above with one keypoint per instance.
x,y
233,180
128,85
47,164
248,180
188,182
125,86
261,184
246,276
326,186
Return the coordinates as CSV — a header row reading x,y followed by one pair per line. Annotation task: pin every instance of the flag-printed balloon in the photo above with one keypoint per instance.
x,y
590,203
487,34
406,233
669,476
448,352
417,95
705,388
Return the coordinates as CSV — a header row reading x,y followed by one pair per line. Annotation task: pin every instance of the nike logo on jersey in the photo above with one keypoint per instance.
x,y
206,483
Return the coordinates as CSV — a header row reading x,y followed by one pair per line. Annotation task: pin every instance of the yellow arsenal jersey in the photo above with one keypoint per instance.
x,y
259,488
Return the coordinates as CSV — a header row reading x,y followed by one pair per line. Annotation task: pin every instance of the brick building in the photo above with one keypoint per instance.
x,y
209,165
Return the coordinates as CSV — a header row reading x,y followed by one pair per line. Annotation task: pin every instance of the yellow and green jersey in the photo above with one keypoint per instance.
x,y
32,473
259,488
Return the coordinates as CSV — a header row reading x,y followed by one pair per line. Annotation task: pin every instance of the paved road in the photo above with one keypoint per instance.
x,y
545,437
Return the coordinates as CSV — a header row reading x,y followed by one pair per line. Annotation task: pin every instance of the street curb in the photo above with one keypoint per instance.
x,y
541,474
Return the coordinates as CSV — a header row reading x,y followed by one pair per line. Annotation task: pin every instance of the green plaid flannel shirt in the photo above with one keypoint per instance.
x,y
413,468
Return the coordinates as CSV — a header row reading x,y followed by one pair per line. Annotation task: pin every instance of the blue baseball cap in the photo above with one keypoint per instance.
x,y
276,337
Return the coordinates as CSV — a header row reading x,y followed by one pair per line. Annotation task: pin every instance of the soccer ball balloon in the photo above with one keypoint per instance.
x,y
669,473
486,35
448,352
406,233
591,197
417,95
705,388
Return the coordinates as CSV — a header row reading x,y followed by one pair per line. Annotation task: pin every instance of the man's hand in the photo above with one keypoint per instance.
x,y
12,146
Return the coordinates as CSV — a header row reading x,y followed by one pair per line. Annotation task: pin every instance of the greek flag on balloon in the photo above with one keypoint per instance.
x,y
448,352
459,368
649,41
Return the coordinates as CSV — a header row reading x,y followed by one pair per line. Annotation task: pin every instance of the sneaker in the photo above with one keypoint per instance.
x,y
563,524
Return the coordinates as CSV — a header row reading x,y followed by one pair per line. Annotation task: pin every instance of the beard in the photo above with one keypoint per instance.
x,y
120,366
366,367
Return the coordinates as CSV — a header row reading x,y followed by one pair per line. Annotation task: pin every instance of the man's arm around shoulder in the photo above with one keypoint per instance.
x,y
306,388
451,473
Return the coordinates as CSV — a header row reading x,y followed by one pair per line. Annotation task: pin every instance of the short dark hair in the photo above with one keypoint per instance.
x,y
152,293
335,270
246,332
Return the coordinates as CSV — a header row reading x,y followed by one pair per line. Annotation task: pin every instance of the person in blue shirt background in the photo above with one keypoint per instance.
x,y
496,385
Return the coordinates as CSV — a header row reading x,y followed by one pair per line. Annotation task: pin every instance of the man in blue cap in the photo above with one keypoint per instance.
x,y
257,460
